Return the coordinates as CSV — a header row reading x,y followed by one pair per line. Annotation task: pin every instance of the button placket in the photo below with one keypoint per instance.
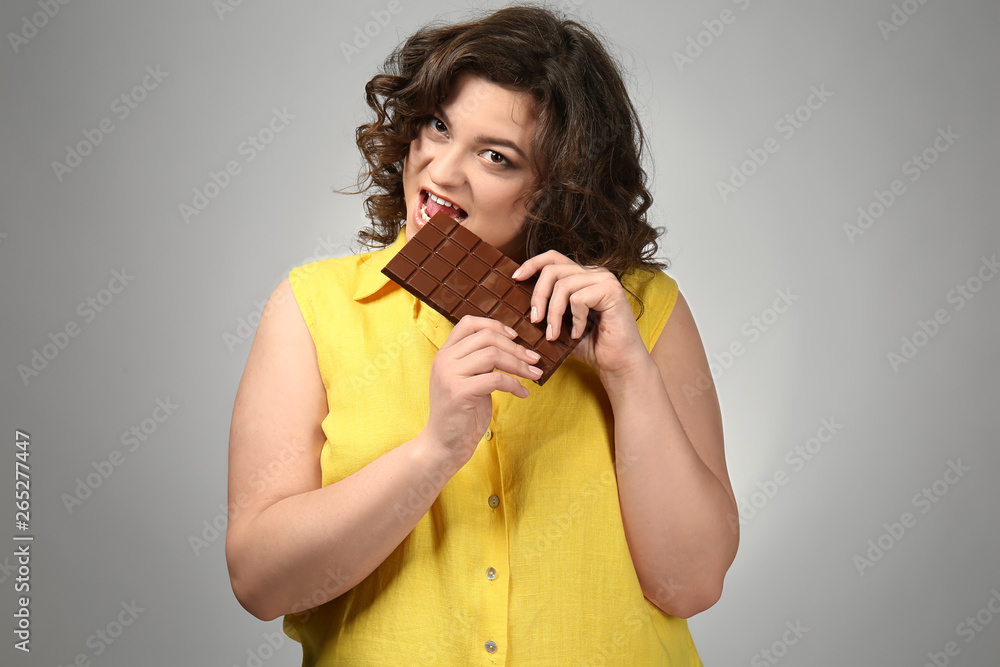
x,y
493,552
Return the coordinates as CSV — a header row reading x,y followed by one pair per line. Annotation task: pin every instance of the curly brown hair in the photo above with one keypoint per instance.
x,y
590,199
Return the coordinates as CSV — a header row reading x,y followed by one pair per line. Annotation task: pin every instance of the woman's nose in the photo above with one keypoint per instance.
x,y
446,166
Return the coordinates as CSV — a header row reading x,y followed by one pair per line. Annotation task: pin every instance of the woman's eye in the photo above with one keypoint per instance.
x,y
496,158
439,125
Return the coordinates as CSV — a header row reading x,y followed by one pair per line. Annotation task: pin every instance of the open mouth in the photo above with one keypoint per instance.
x,y
431,204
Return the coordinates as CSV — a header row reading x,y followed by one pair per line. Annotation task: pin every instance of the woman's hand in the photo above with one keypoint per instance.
x,y
466,370
614,346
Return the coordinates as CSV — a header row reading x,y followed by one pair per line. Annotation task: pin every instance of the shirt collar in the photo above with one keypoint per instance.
x,y
372,279
430,322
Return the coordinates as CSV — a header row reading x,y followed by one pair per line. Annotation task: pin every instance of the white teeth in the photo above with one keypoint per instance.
x,y
443,202
459,216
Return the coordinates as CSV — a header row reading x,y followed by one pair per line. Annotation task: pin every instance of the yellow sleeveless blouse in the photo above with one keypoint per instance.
x,y
522,559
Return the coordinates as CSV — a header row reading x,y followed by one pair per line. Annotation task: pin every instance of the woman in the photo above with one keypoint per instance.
x,y
407,494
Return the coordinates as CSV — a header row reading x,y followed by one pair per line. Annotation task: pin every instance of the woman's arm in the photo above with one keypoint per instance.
x,y
291,543
677,502
288,537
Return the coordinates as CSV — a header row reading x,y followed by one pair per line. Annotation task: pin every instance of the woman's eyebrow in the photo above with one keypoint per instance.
x,y
483,139
486,139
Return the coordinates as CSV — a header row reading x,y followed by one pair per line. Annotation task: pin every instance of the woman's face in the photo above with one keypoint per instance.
x,y
473,160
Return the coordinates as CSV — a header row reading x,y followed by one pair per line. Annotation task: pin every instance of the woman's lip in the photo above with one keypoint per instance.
x,y
415,215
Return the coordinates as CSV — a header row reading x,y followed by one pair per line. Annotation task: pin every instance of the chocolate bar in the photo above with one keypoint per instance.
x,y
457,273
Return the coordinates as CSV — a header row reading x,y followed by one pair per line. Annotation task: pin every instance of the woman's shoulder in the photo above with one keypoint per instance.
x,y
330,266
652,293
337,273
650,285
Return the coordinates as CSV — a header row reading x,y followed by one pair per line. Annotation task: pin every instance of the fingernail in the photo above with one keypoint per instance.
x,y
534,313
511,332
534,356
548,332
516,273
536,371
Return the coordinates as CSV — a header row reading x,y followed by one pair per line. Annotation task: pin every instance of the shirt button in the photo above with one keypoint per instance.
x,y
491,646
494,501
489,434
491,574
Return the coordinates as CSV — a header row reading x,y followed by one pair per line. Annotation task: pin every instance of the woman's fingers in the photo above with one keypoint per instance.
x,y
487,359
569,288
472,363
489,346
548,275
545,264
566,294
469,325
534,264
581,303
485,384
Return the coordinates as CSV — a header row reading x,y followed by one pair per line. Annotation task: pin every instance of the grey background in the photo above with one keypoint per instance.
x,y
177,330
